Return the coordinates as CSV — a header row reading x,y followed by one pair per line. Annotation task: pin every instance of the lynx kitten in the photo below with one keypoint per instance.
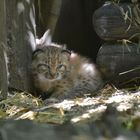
x,y
61,74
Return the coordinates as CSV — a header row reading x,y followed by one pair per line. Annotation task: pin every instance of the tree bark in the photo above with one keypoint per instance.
x,y
21,42
3,65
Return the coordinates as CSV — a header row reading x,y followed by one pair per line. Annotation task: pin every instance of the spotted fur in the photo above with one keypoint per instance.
x,y
60,74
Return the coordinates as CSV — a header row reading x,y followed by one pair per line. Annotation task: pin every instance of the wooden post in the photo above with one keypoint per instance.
x,y
3,66
21,42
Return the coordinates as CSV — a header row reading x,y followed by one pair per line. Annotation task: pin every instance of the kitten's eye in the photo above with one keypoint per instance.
x,y
61,67
43,67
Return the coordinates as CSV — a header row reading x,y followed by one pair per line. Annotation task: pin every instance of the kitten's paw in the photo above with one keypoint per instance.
x,y
50,101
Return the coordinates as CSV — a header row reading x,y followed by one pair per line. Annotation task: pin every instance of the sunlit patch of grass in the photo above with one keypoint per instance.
x,y
25,106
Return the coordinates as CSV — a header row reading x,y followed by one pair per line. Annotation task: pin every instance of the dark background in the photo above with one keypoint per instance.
x,y
74,25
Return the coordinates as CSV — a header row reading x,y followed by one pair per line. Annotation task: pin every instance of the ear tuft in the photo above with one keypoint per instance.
x,y
45,40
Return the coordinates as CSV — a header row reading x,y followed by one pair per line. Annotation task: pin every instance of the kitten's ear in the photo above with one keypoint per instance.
x,y
44,40
64,47
66,53
36,52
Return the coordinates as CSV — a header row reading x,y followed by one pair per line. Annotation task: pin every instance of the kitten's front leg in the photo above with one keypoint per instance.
x,y
62,89
71,90
80,90
67,93
59,91
57,96
60,94
51,100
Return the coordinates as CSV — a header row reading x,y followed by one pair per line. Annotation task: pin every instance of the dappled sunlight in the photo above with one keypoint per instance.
x,y
106,112
120,96
92,113
124,106
24,106
28,115
82,117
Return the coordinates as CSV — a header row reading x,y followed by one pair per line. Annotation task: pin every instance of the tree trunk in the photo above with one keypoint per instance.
x,y
47,13
3,66
21,42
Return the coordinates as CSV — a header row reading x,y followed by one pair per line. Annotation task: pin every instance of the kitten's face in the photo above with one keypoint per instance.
x,y
51,63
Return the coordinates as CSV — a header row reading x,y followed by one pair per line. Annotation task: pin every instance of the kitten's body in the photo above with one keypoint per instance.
x,y
63,75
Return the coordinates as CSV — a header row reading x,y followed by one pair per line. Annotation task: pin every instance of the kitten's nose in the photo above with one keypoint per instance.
x,y
52,74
